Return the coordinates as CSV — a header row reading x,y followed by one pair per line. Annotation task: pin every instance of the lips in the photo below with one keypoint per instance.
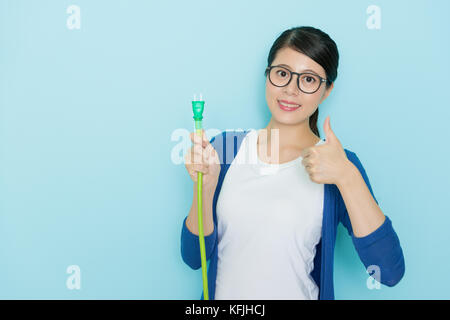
x,y
287,106
285,102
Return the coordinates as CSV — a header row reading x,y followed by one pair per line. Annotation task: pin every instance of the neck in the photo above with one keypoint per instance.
x,y
290,136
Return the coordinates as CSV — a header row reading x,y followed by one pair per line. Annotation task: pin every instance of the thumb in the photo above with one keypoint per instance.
x,y
329,134
204,138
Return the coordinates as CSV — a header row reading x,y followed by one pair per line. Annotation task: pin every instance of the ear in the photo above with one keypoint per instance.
x,y
327,93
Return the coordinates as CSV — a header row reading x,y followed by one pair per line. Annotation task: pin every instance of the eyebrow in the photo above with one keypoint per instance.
x,y
285,65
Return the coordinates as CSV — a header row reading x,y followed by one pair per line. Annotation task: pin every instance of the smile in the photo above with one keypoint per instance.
x,y
288,107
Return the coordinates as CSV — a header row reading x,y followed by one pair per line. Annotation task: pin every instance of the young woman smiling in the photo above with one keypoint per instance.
x,y
270,226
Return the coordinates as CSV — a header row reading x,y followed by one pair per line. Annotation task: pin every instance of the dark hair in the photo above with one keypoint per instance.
x,y
315,44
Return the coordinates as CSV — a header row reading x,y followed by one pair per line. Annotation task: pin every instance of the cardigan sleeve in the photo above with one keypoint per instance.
x,y
381,248
190,244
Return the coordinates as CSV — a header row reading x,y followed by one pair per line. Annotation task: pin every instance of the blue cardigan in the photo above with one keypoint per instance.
x,y
381,247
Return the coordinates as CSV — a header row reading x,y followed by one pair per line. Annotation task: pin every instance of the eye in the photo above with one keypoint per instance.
x,y
282,73
310,79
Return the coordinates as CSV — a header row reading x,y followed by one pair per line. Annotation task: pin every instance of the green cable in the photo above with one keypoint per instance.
x,y
197,108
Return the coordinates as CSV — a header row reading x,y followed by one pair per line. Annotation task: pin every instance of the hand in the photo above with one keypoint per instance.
x,y
202,157
328,162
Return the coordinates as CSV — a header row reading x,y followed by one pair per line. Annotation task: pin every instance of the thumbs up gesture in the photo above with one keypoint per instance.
x,y
328,162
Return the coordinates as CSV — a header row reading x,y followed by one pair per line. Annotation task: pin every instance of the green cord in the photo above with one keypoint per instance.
x,y
197,107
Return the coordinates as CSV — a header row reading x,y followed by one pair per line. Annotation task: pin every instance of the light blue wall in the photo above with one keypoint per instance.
x,y
89,172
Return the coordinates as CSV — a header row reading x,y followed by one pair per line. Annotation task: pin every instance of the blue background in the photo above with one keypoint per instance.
x,y
87,141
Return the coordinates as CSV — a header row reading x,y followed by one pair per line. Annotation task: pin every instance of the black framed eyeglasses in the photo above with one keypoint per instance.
x,y
307,82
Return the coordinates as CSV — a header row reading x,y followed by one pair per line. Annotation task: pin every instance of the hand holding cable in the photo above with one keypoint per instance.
x,y
203,167
202,157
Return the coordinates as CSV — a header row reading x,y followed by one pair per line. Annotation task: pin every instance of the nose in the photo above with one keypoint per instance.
x,y
292,87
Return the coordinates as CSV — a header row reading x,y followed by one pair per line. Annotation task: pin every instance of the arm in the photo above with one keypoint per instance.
x,y
190,245
192,218
372,233
364,213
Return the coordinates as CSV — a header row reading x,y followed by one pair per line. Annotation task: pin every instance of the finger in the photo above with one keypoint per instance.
x,y
196,139
213,160
197,158
200,168
209,149
198,149
305,153
202,157
212,157
203,138
198,135
330,137
199,152
308,169
205,141
189,159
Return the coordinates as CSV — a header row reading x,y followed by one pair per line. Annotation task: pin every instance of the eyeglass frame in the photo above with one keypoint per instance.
x,y
268,69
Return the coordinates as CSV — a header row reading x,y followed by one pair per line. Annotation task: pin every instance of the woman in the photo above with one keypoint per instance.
x,y
270,226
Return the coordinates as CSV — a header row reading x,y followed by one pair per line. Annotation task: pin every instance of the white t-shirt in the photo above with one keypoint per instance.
x,y
269,222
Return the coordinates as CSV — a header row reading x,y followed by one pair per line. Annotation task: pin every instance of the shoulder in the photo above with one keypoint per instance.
x,y
227,143
227,138
227,134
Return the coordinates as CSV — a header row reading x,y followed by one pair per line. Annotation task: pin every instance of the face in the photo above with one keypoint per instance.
x,y
296,62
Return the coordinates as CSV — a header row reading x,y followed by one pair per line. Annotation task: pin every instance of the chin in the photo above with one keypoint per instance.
x,y
288,120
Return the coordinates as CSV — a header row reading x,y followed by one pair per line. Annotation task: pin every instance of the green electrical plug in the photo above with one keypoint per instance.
x,y
197,108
